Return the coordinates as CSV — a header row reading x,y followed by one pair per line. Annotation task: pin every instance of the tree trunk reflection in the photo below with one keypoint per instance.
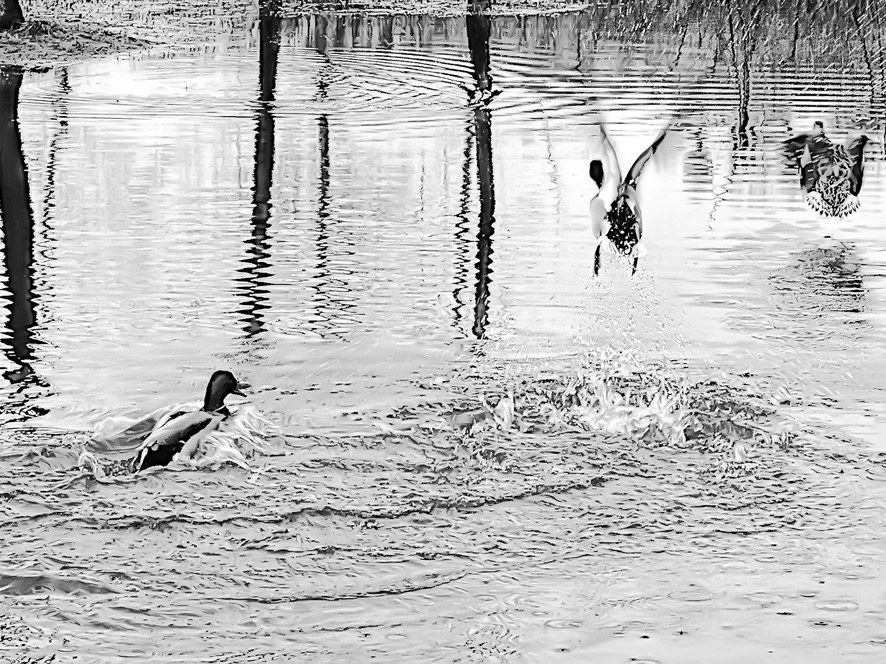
x,y
258,254
478,28
18,227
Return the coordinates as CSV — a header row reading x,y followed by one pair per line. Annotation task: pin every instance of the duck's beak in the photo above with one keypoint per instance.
x,y
240,387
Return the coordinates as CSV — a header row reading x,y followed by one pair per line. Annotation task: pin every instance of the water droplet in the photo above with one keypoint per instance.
x,y
563,624
764,598
837,605
692,595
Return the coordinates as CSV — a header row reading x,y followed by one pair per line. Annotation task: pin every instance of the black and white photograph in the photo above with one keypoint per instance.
x,y
443,331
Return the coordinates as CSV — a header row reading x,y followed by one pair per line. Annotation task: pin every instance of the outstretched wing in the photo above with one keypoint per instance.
x,y
793,147
166,441
605,172
808,172
610,159
856,158
119,442
634,173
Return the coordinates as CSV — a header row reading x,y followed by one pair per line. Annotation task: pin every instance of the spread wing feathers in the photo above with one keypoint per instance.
x,y
818,150
808,171
793,147
605,172
127,440
133,437
640,162
611,160
168,440
856,157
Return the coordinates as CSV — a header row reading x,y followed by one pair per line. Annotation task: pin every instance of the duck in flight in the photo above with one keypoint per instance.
x,y
616,220
180,432
830,174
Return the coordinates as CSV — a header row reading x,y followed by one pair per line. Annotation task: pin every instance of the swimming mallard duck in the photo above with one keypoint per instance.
x,y
830,174
615,212
179,432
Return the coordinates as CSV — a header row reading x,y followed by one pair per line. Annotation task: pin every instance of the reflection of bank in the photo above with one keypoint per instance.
x,y
18,229
824,283
327,307
743,29
11,14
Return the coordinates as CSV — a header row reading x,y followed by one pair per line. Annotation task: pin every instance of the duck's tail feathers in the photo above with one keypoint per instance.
x,y
135,464
816,202
849,205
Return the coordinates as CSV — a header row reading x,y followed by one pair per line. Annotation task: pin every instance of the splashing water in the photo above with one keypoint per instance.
x,y
238,439
617,394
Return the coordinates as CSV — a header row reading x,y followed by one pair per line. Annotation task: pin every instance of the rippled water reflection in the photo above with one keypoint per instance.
x,y
481,454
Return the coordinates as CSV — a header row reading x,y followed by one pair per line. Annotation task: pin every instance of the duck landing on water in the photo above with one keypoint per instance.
x,y
616,220
830,174
180,432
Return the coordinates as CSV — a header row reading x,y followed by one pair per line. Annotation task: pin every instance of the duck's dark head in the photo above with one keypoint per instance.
x,y
596,172
221,384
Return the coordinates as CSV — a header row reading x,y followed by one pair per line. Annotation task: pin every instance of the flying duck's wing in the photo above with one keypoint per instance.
x,y
191,445
856,157
634,173
126,440
793,147
167,441
808,172
133,436
599,217
610,156
605,172
817,151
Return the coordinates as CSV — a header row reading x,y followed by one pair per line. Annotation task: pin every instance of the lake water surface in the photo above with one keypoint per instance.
x,y
695,469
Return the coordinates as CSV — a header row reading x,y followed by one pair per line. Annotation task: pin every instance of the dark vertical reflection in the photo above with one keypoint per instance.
x,y
863,31
796,36
320,28
52,158
18,229
478,26
742,73
11,14
386,31
258,268
462,231
327,283
322,124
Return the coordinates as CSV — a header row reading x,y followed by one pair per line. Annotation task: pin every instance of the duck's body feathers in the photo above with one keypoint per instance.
x,y
831,174
179,432
173,436
616,218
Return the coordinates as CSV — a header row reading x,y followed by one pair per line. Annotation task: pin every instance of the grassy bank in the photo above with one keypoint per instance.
x,y
61,32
